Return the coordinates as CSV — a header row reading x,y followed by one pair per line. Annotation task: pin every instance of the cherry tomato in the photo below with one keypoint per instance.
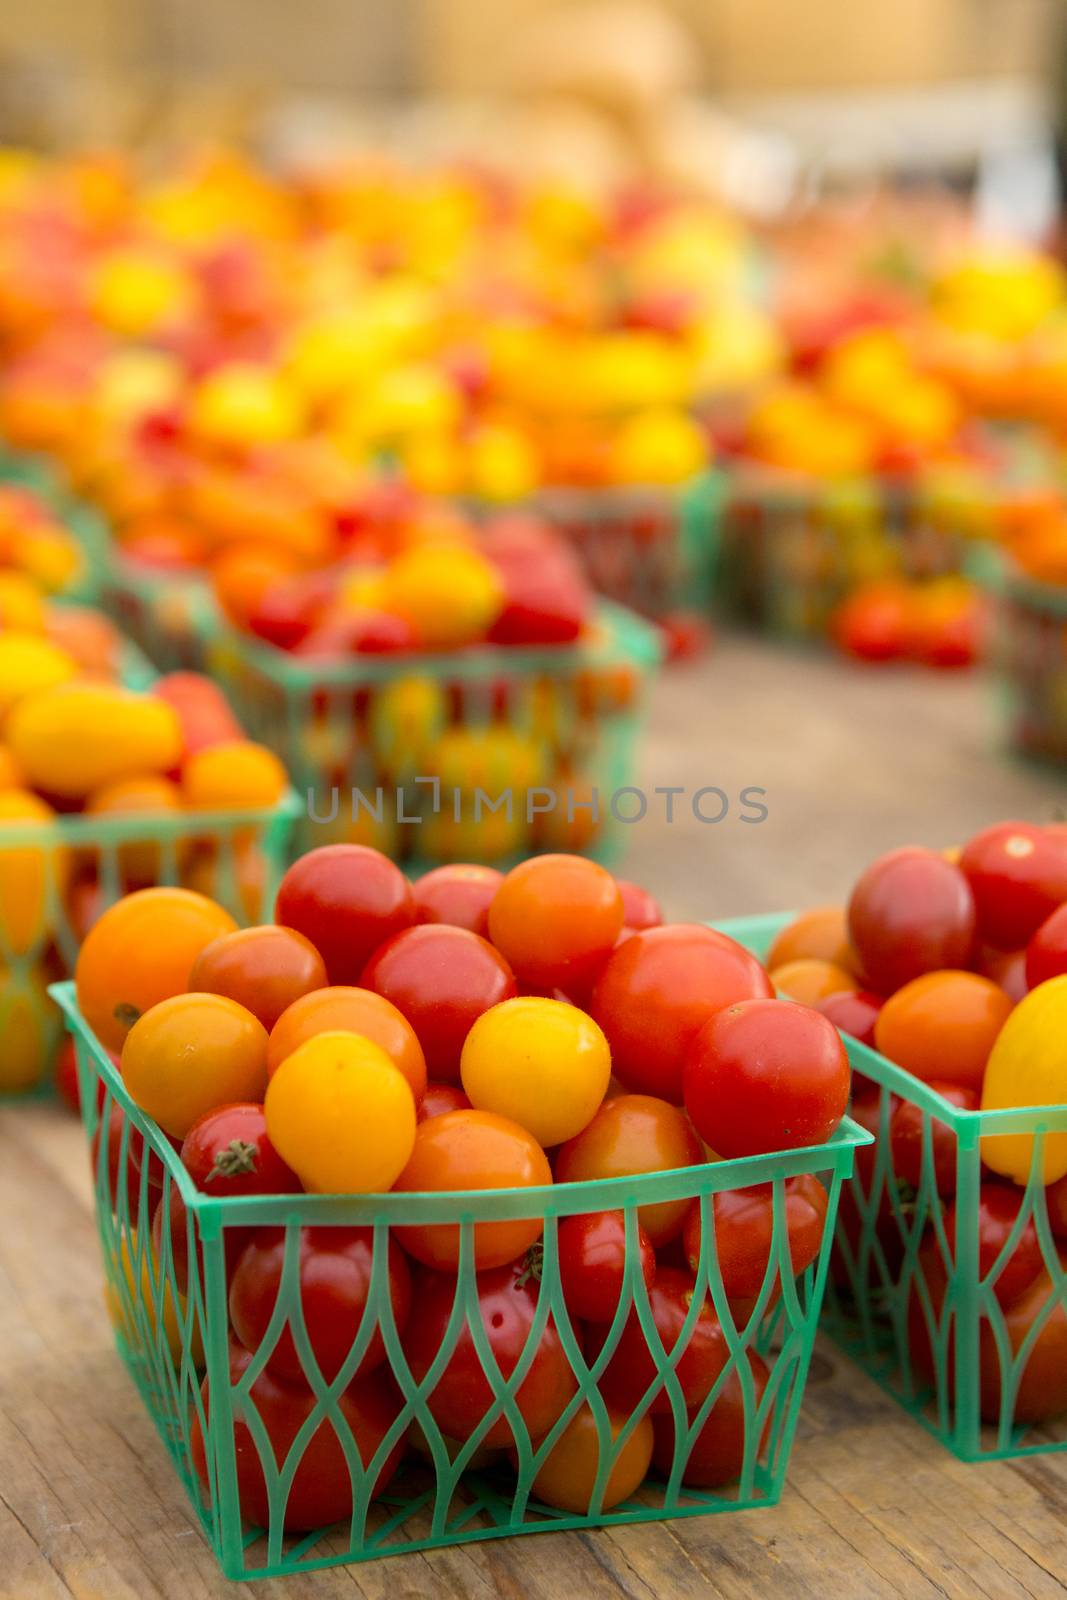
x,y
264,969
656,990
817,935
810,980
345,1009
911,912
462,1397
112,1130
1018,876
442,979
228,1151
943,1025
441,1098
1056,1201
555,918
999,1205
744,1232
459,895
1046,954
347,899
592,1263
321,1490
634,1133
568,1475
472,1150
543,1063
335,1273
717,1454
67,1075
697,1362
766,1075
875,622
1007,968
639,909
191,1053
233,1241
906,1139
853,1011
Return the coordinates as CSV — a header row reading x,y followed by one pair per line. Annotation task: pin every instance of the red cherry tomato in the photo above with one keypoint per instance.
x,y
875,622
999,1205
853,1011
744,1232
911,912
1056,1200
441,1098
592,1263
347,899
228,1151
697,1361
264,969
462,1397
441,979
180,1243
717,1454
639,909
655,992
67,1075
1006,968
766,1075
459,895
112,1131
321,1490
634,1133
555,919
906,1139
1046,954
336,1266
1017,872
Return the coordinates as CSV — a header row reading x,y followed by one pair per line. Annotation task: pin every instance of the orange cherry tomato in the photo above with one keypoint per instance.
x,y
942,1026
810,980
820,934
264,969
350,1010
634,1133
568,1476
555,919
191,1053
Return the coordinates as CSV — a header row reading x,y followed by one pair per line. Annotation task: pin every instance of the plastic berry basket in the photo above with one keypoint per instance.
x,y
793,548
162,612
907,1297
481,754
24,470
169,1342
1030,657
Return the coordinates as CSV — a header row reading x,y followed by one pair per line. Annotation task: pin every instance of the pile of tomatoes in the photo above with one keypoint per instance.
x,y
953,965
469,1031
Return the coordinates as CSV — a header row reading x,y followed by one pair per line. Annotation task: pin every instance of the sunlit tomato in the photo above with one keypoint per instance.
x,y
472,1150
766,1075
459,895
442,979
341,1114
697,1360
853,1011
592,1263
906,1139
657,989
192,1053
817,935
911,912
567,1478
717,1455
1046,954
639,909
462,1398
264,969
943,1025
228,1151
810,980
321,1490
347,899
543,1063
345,1009
744,1232
441,1098
1018,877
556,918
334,1286
633,1133
139,952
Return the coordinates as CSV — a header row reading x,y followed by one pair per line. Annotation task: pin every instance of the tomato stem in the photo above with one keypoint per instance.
x,y
238,1156
533,1264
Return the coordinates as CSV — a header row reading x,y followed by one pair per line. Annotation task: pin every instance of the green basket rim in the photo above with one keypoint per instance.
x,y
556,1199
84,829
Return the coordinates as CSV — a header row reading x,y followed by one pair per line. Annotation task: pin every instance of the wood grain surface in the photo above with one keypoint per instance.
x,y
853,762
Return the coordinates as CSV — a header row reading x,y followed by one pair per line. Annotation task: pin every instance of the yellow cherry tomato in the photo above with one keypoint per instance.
x,y
192,1053
29,662
448,593
543,1063
29,875
342,1115
1028,1067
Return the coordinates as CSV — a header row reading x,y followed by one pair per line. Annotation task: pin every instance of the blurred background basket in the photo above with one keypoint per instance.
x,y
1030,658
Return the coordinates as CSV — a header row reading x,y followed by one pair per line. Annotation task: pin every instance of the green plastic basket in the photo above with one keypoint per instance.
x,y
914,1306
441,1500
35,472
167,614
485,754
1030,656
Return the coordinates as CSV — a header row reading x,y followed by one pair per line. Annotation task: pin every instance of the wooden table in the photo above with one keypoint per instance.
x,y
853,763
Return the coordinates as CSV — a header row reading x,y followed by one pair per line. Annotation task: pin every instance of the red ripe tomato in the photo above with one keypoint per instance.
x,y
555,918
321,1490
853,1011
1056,1201
744,1232
717,1454
639,909
766,1075
441,979
697,1361
634,1133
911,912
1046,954
999,1205
233,1241
439,1099
336,1265
592,1263
906,1139
875,622
1006,968
264,969
347,899
112,1131
462,1397
1018,877
657,989
228,1151
459,895
67,1075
